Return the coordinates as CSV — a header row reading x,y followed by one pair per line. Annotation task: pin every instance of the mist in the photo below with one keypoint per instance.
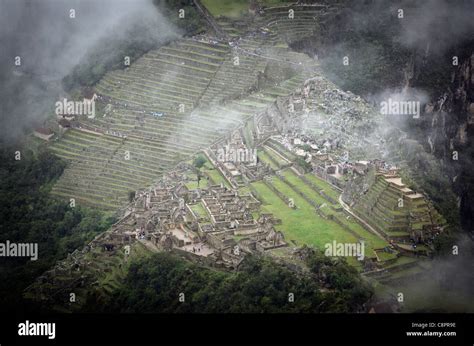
x,y
51,37
448,285
436,25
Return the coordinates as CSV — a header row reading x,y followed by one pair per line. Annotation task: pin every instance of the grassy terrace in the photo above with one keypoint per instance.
x,y
304,226
233,80
293,179
272,155
380,204
263,156
192,185
321,184
380,208
216,176
228,8
187,73
192,177
280,149
372,241
104,269
302,25
230,29
98,172
200,212
301,225
172,75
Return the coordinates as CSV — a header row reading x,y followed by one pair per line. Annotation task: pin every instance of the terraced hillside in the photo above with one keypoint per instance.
x,y
317,217
293,26
316,220
169,104
311,214
398,212
180,99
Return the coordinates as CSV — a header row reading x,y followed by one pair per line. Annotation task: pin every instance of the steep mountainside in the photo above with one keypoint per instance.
x,y
418,54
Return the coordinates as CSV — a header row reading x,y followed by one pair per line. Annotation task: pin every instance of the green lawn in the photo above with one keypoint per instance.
x,y
192,185
265,158
372,240
385,256
227,8
401,260
199,211
217,177
276,2
328,189
275,156
214,174
244,191
306,189
281,149
302,225
311,228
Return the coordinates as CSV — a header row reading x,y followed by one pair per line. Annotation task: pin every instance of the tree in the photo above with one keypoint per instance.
x,y
199,161
131,196
259,286
30,215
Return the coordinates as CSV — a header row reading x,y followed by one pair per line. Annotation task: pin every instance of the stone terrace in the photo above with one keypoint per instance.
x,y
168,105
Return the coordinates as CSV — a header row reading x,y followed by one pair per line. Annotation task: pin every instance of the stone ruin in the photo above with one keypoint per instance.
x,y
237,162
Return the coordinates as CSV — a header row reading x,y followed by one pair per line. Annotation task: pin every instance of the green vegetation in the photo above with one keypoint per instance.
x,y
380,208
199,211
302,224
217,177
245,190
227,8
274,157
199,161
274,2
192,185
303,164
369,61
187,73
326,187
214,174
264,157
98,173
29,215
259,286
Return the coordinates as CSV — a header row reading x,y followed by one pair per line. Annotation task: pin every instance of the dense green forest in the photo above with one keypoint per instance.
x,y
260,285
29,215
